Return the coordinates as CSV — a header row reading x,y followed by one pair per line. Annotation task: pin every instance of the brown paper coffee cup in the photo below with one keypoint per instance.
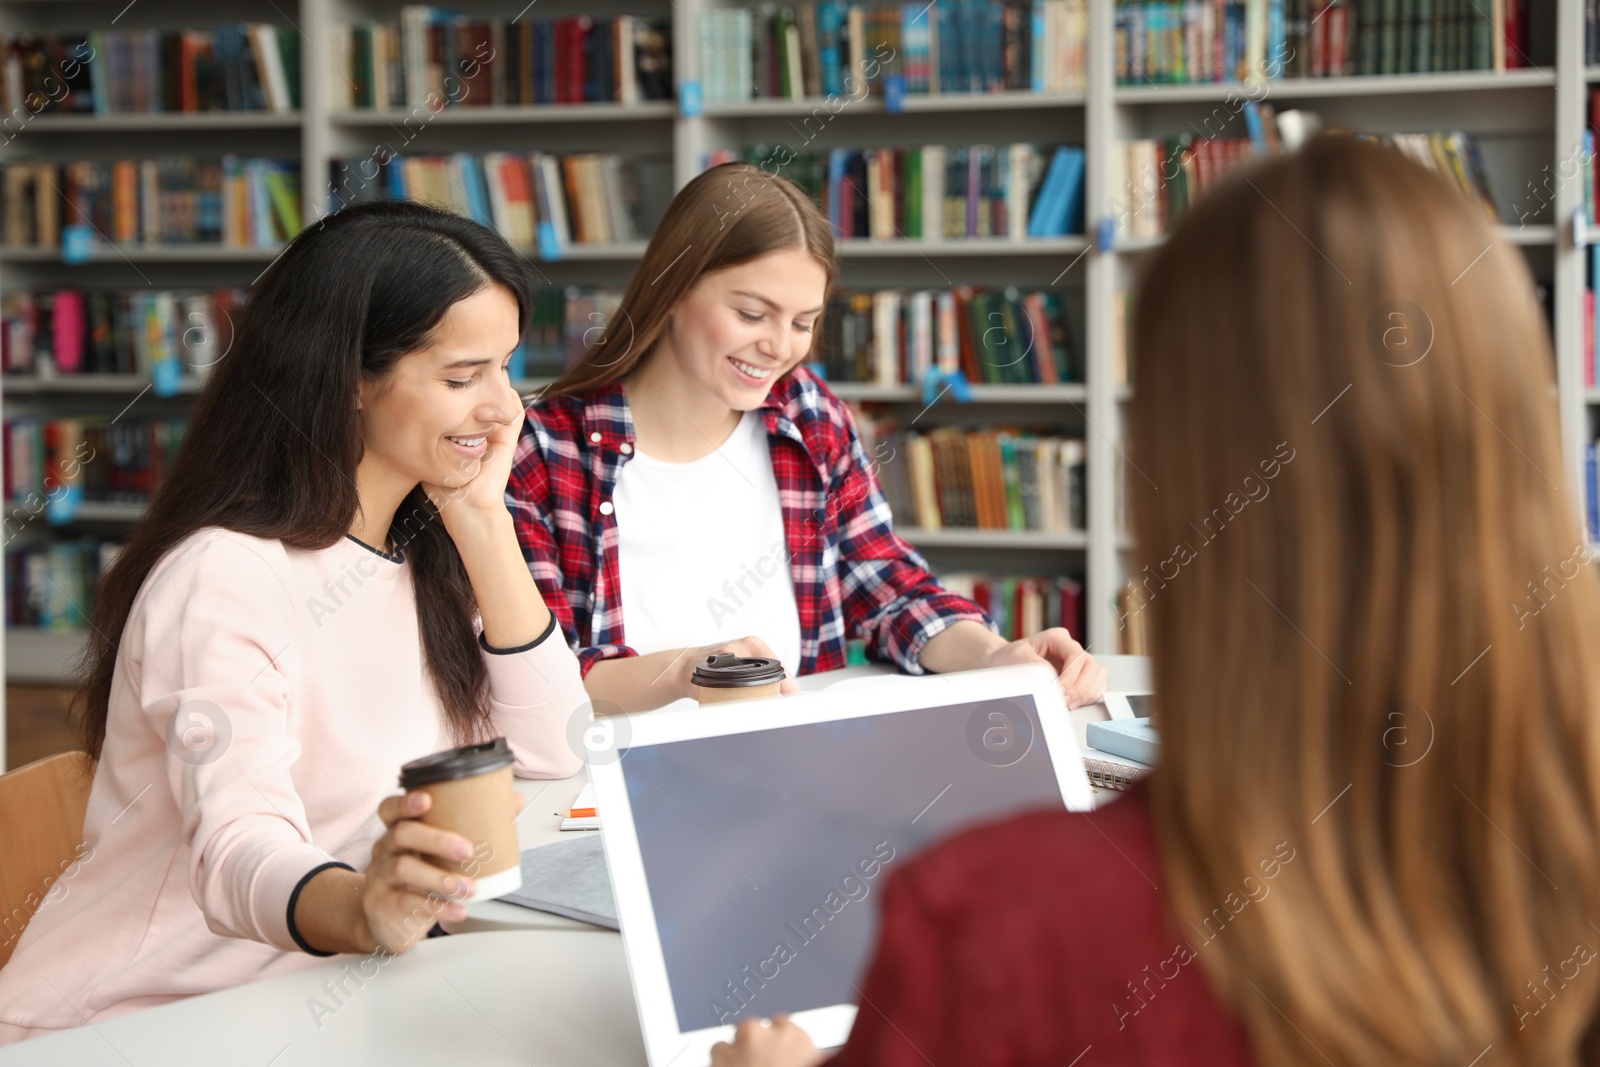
x,y
724,677
725,696
473,796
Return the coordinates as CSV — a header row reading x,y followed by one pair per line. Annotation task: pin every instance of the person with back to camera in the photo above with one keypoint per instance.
x,y
326,586
1374,835
687,487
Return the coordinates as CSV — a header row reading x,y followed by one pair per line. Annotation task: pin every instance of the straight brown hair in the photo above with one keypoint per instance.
x,y
726,216
1381,662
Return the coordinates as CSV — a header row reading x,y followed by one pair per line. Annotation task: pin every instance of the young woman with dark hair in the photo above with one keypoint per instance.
x,y
1374,836
327,585
688,487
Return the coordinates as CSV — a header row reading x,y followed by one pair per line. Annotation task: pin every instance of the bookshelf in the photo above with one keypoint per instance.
x,y
1526,119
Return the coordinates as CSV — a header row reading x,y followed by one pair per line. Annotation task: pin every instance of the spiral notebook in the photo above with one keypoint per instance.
x,y
1113,772
1110,762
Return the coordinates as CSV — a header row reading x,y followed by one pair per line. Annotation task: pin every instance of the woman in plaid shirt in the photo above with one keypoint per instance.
x,y
754,523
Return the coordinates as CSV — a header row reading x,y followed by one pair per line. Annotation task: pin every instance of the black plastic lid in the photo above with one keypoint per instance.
x,y
724,670
463,762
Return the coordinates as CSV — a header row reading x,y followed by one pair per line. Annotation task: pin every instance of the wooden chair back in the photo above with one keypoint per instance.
x,y
41,827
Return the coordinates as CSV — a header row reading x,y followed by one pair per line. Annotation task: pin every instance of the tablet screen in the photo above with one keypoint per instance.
x,y
765,852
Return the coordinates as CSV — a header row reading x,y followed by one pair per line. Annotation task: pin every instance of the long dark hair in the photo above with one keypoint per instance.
x,y
729,215
272,447
1405,709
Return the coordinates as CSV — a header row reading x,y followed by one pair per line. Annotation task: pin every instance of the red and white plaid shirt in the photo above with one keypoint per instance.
x,y
853,577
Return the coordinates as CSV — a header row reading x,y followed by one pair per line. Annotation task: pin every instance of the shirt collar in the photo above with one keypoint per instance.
x,y
606,412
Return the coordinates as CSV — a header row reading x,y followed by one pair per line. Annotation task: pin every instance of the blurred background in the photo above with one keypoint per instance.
x,y
996,171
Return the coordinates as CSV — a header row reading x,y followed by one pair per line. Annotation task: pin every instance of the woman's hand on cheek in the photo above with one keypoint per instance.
x,y
764,1043
480,488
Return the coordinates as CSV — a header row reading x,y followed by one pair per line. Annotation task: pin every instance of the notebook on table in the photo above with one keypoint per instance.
x,y
1121,751
568,878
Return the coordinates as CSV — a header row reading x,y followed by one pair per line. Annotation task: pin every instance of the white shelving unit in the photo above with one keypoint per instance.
x,y
1527,120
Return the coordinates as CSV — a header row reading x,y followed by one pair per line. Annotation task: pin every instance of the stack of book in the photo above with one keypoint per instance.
x,y
244,67
1157,180
936,192
232,202
61,333
980,479
1023,606
534,200
814,50
109,460
52,586
1159,41
433,59
994,337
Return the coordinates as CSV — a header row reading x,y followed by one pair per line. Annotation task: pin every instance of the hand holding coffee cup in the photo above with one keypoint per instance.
x,y
451,840
406,888
744,648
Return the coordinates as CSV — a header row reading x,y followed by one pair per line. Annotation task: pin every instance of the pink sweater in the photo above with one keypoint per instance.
x,y
309,667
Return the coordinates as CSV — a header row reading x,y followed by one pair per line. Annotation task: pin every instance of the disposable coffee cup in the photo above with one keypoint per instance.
x,y
473,796
724,677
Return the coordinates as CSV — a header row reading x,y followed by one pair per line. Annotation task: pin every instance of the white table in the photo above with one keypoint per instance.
x,y
549,998
524,989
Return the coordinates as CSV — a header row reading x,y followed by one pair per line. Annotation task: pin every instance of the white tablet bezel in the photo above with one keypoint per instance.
x,y
1117,705
664,1042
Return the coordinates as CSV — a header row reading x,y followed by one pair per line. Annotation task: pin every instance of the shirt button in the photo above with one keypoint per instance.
x,y
595,437
606,508
625,448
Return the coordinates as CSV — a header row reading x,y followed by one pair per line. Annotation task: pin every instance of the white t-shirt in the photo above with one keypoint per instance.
x,y
702,552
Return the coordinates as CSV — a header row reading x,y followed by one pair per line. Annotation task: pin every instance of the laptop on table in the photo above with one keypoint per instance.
x,y
748,843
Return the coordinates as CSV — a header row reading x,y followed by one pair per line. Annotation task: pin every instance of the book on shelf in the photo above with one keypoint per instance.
x,y
1591,481
1132,638
247,66
535,200
51,335
104,459
52,585
432,59
563,325
993,336
935,192
234,202
1159,42
980,479
1022,605
1591,321
821,50
1155,181
147,333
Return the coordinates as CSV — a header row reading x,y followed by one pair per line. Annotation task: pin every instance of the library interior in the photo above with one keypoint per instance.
x,y
727,502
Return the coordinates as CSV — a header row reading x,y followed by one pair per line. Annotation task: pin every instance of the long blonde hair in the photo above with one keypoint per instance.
x,y
726,216
1372,621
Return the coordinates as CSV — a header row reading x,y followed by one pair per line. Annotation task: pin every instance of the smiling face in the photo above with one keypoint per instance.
x,y
427,420
737,330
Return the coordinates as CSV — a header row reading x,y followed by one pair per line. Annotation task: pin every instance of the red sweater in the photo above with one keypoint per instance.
x,y
1030,942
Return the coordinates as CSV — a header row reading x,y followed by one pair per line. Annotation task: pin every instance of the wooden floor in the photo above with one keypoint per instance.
x,y
36,723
